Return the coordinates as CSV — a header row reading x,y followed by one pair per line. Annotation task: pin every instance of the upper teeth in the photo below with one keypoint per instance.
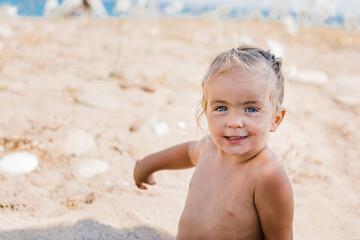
x,y
233,138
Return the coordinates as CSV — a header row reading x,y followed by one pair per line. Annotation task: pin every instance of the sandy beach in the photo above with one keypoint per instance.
x,y
89,97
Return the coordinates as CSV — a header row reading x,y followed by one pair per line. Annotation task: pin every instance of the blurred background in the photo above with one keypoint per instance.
x,y
89,87
339,13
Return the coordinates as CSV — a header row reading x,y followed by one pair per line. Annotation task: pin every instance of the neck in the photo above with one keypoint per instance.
x,y
239,159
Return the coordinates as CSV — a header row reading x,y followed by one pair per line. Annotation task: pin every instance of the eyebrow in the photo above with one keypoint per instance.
x,y
218,102
255,102
245,103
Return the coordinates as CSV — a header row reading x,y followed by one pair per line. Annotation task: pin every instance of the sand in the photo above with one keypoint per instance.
x,y
88,98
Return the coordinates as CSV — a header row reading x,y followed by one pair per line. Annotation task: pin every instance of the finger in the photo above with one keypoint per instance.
x,y
141,186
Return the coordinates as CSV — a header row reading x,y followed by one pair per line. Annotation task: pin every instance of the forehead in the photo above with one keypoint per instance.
x,y
237,84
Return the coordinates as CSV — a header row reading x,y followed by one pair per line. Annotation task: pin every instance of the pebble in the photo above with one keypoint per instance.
x,y
161,128
77,142
350,101
92,167
97,100
181,124
18,163
306,76
311,76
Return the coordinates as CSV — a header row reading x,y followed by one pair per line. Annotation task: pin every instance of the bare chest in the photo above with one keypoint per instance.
x,y
220,204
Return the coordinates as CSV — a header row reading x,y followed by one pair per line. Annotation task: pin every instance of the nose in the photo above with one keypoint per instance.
x,y
235,120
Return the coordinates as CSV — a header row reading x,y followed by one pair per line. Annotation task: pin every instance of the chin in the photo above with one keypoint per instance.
x,y
234,151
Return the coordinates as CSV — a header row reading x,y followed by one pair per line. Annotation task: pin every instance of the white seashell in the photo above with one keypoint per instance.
x,y
311,76
77,142
350,101
161,128
90,168
181,124
18,163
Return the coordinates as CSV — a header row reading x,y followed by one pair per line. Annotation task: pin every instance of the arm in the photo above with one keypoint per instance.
x,y
275,205
178,157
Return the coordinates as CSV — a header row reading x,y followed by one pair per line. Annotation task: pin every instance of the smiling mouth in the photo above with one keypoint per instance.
x,y
235,138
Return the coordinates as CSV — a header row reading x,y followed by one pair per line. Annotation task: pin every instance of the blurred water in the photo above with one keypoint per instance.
x,y
331,12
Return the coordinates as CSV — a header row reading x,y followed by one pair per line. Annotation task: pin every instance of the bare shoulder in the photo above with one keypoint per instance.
x,y
274,198
270,173
196,147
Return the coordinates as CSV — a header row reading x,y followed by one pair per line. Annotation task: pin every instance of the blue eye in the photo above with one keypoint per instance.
x,y
251,110
221,109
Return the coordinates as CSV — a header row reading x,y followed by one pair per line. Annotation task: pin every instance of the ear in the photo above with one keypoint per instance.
x,y
278,119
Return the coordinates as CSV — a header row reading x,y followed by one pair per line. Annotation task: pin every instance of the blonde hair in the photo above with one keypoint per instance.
x,y
251,60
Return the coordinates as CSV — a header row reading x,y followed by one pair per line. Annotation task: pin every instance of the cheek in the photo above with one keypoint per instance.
x,y
214,123
258,124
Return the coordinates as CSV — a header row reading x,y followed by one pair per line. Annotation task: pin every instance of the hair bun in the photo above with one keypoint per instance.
x,y
275,62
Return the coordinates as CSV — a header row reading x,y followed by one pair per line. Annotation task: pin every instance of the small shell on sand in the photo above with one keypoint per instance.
x,y
18,163
311,76
90,168
181,124
350,101
77,142
161,128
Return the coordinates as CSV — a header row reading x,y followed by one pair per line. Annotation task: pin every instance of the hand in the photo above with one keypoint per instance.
x,y
140,177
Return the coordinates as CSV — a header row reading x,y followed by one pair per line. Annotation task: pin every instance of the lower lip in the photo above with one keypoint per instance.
x,y
235,141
